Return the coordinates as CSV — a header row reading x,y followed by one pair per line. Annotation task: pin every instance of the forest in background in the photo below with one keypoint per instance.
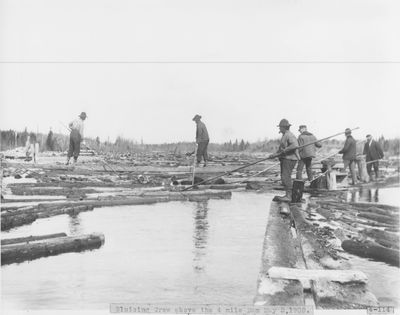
x,y
11,139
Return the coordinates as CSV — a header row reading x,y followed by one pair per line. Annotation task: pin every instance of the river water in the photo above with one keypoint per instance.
x,y
176,252
166,253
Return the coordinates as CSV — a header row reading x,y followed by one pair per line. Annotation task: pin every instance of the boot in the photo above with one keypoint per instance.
x,y
286,198
67,161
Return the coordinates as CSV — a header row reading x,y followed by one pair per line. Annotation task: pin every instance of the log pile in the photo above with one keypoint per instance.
x,y
368,230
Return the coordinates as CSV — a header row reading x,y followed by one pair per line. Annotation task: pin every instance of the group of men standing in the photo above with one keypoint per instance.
x,y
292,150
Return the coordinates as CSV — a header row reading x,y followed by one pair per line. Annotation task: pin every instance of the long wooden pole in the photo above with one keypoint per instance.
x,y
194,163
97,153
272,156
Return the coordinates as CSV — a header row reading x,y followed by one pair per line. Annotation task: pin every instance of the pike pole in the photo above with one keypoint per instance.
x,y
270,157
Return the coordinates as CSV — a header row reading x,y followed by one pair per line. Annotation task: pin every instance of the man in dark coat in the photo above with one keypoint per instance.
x,y
373,152
349,152
202,140
307,153
288,159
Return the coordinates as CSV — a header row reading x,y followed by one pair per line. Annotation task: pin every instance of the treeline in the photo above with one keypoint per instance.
x,y
59,142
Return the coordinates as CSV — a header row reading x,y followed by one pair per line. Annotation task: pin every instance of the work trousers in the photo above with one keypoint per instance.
x,y
376,169
352,165
287,167
75,140
202,151
299,172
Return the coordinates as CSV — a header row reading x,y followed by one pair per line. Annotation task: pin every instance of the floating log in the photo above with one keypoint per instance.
x,y
342,276
380,218
28,251
27,215
372,204
10,221
50,191
372,250
31,238
383,238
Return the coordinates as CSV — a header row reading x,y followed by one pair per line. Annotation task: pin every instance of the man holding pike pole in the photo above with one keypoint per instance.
x,y
288,157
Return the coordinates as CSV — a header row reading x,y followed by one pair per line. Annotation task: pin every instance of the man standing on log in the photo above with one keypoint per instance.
x,y
202,140
373,152
307,153
288,159
349,152
76,137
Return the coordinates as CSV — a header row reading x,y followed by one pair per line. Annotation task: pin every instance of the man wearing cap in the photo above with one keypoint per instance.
x,y
349,152
307,153
288,156
373,152
76,137
202,140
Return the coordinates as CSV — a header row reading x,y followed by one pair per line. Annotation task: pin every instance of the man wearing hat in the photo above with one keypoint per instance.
x,y
76,137
307,153
202,140
373,152
349,152
288,156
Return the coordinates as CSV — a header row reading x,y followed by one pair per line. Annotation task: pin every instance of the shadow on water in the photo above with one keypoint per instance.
x,y
378,195
200,235
75,225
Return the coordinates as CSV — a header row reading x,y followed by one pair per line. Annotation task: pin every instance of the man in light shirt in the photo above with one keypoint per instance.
x,y
76,137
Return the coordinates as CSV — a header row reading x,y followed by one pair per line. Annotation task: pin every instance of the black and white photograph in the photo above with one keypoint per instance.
x,y
200,157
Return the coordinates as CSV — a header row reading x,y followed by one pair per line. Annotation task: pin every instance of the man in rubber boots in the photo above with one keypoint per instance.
x,y
307,153
76,137
288,156
202,140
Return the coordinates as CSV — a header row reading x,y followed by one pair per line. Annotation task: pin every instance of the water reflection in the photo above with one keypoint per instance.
x,y
363,195
75,225
200,235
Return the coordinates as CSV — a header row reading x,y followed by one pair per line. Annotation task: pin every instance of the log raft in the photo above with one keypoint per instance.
x,y
19,252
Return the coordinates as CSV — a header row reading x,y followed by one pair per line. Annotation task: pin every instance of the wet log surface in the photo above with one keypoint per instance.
x,y
318,254
370,249
31,238
278,250
15,253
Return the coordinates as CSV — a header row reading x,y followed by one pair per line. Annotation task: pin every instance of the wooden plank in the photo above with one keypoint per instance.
x,y
31,238
342,276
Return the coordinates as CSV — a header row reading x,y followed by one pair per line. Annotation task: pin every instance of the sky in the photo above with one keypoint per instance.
x,y
143,69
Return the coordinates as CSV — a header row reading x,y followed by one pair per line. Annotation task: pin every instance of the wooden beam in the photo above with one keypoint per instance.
x,y
342,276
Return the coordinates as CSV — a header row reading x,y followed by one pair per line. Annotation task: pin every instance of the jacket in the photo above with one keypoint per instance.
x,y
349,150
309,150
373,151
287,142
201,132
